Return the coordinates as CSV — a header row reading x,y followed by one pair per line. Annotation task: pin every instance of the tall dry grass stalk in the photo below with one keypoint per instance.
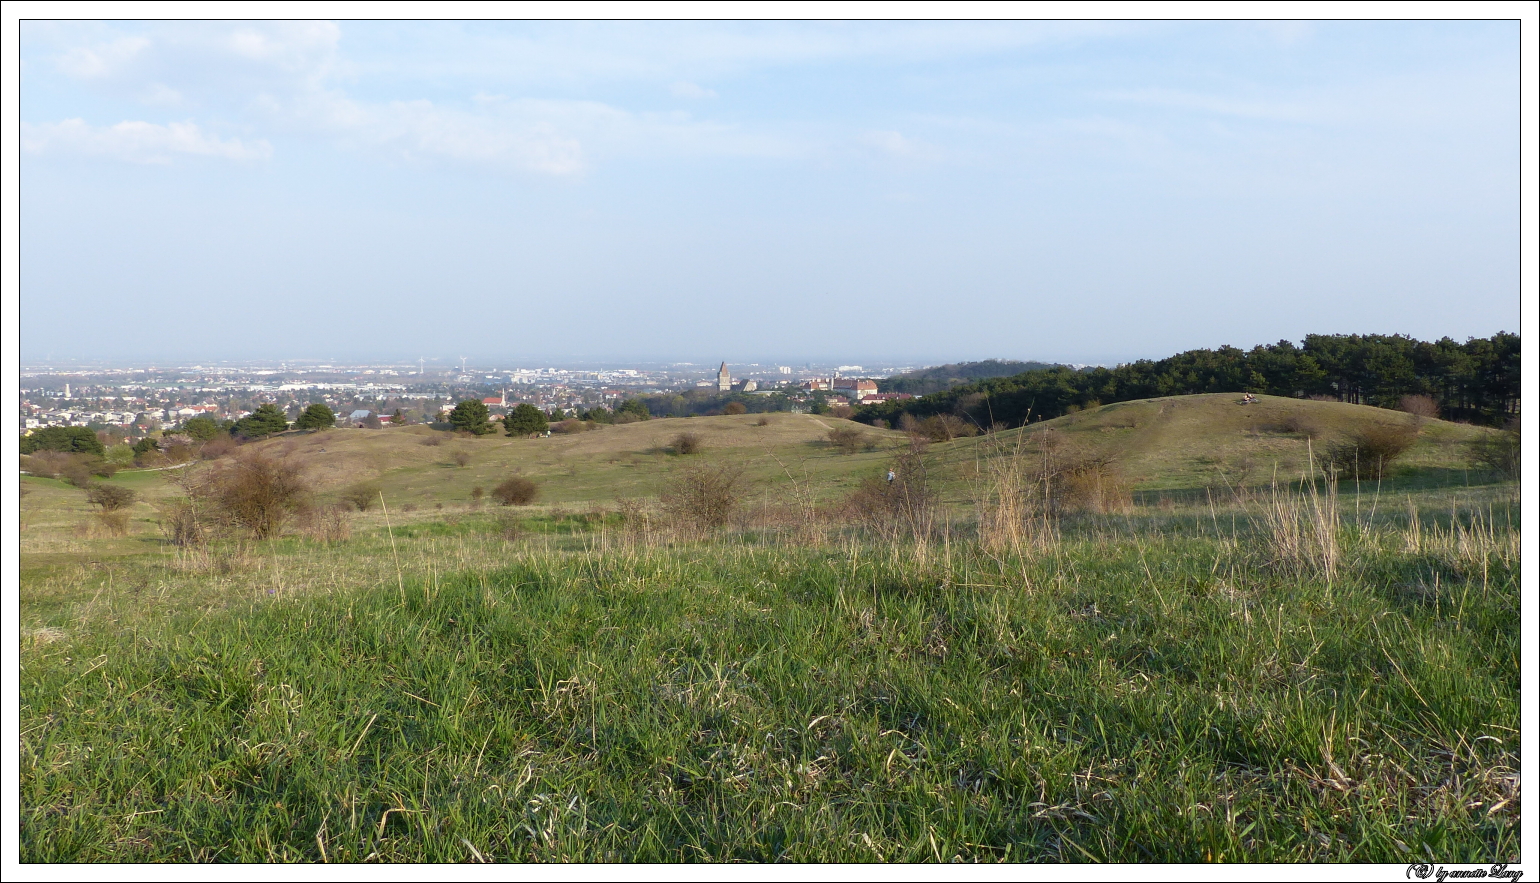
x,y
1010,496
1303,528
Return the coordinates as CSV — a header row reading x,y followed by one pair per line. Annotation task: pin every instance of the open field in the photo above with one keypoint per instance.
x,y
1279,673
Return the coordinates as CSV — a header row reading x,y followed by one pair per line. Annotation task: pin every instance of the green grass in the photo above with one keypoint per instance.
x,y
557,683
1156,689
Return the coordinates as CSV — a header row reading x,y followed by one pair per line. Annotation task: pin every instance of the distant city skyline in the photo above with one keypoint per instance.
x,y
627,192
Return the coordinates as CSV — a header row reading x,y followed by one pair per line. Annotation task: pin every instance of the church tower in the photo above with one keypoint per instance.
x,y
724,379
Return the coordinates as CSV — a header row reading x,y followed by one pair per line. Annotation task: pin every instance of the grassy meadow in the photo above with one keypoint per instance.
x,y
1228,663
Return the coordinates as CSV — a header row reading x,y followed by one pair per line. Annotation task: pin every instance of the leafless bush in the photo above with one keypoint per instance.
x,y
110,497
1094,485
81,470
328,524
516,491
945,427
111,522
1498,451
703,497
572,425
361,496
1302,424
1075,479
461,458
686,443
181,524
846,438
432,441
218,446
841,412
1367,452
257,494
903,506
511,527
1420,406
46,464
735,408
477,493
762,421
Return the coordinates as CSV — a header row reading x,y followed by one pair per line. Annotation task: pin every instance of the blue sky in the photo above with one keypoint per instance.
x,y
923,192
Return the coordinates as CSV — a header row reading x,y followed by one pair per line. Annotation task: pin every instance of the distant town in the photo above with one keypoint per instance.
x,y
128,403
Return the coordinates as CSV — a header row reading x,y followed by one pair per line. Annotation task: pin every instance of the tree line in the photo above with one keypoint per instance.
x,y
1476,381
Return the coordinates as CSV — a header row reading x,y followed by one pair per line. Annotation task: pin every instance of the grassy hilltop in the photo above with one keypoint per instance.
x,y
1217,666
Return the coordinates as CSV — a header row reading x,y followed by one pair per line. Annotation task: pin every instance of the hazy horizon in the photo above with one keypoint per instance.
x,y
902,192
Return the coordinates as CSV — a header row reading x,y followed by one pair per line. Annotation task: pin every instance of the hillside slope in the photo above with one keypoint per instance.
x,y
1213,440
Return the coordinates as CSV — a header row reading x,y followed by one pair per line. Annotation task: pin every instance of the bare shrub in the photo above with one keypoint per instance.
x,y
511,527
571,426
516,491
432,441
81,470
257,494
841,412
477,493
1367,452
408,507
703,497
762,421
177,450
686,443
111,522
218,446
1419,406
328,524
1092,485
110,497
903,506
846,438
735,408
1302,424
1075,479
361,496
181,524
461,458
945,427
1498,451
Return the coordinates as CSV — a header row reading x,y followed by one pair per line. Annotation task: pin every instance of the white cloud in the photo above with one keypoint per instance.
x,y
895,144
88,63
136,141
682,89
1290,111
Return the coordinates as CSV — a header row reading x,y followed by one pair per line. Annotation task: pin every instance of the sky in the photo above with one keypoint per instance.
x,y
908,192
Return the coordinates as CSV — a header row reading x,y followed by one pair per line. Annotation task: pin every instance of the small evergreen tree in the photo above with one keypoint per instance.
x,y
200,428
316,417
524,421
634,407
68,439
264,421
470,416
